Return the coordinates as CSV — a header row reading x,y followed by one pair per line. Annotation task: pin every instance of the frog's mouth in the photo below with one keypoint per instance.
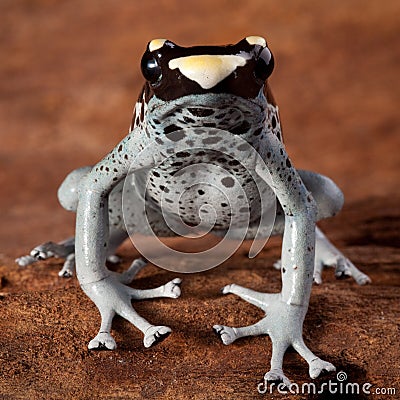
x,y
214,110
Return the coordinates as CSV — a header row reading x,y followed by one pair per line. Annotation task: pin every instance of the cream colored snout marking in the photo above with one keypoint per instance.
x,y
207,70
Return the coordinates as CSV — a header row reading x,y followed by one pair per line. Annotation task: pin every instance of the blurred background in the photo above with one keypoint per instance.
x,y
69,77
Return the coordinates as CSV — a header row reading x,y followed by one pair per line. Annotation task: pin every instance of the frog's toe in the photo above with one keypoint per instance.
x,y
317,366
24,261
277,375
225,333
172,288
48,250
345,268
156,334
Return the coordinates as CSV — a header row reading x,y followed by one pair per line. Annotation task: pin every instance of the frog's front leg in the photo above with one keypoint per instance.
x,y
105,289
285,311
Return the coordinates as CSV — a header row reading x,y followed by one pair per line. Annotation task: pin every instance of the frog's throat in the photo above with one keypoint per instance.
x,y
212,101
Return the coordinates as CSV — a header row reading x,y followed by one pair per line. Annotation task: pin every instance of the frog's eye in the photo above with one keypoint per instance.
x,y
264,64
151,69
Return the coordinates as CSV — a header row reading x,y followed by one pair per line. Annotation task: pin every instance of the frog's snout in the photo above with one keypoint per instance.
x,y
207,70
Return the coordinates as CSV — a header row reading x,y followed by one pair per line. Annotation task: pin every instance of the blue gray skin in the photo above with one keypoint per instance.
x,y
188,89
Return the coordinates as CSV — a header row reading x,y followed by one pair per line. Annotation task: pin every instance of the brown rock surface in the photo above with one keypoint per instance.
x,y
68,79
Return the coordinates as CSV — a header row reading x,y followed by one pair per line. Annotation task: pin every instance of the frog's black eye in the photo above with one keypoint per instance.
x,y
151,69
264,64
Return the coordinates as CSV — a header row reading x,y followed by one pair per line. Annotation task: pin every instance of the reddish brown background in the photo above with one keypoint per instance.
x,y
69,77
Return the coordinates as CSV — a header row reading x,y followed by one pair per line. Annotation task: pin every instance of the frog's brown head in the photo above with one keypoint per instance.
x,y
241,69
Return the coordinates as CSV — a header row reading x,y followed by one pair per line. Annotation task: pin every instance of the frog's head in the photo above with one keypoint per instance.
x,y
241,69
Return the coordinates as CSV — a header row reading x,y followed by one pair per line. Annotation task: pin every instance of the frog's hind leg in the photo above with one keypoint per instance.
x,y
329,199
327,255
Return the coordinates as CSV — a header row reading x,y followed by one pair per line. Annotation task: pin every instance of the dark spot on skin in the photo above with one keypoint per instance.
x,y
228,181
283,270
211,140
240,129
281,151
201,192
169,201
201,112
224,205
289,178
115,179
156,121
155,173
183,154
176,164
107,169
120,148
176,136
171,128
101,168
288,163
188,120
269,154
243,147
126,156
278,135
234,162
257,132
158,140
273,122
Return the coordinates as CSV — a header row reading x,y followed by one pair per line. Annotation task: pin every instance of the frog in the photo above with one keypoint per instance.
x,y
195,101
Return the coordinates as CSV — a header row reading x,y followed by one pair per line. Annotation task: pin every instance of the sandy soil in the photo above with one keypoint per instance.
x,y
68,79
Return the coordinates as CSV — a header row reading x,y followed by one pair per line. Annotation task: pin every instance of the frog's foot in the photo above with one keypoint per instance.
x,y
43,252
283,323
102,341
113,297
156,334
